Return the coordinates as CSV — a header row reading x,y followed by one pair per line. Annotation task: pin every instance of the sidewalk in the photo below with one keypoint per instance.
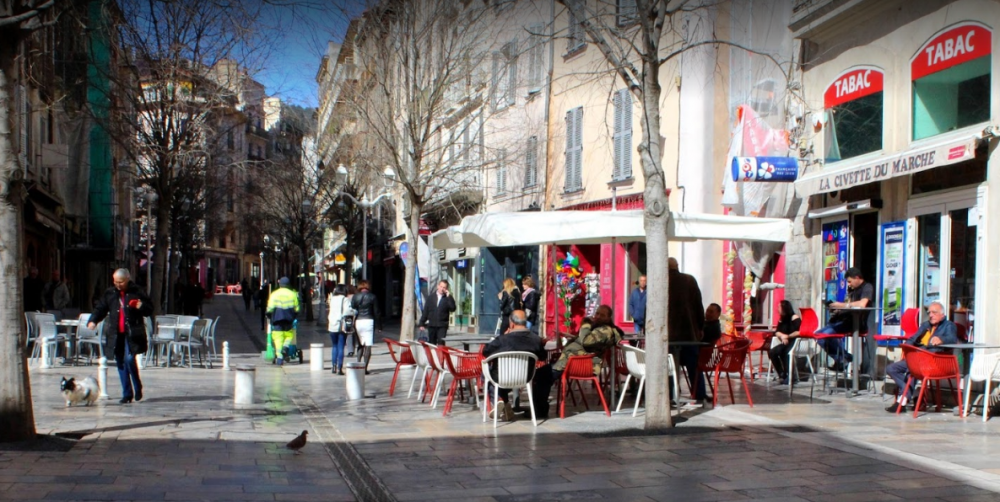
x,y
186,442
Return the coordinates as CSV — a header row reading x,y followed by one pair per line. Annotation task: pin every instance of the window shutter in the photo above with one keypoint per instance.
x,y
570,151
512,72
616,173
501,170
531,162
577,38
626,134
578,131
535,56
497,82
628,12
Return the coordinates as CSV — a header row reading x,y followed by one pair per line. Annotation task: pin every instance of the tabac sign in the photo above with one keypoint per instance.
x,y
854,83
955,45
887,166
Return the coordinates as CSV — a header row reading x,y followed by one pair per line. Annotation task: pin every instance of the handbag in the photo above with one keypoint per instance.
x,y
347,321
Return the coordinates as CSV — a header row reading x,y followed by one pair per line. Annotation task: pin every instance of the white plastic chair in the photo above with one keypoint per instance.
x,y
161,338
434,362
47,334
210,337
193,340
985,368
635,361
91,337
419,357
512,373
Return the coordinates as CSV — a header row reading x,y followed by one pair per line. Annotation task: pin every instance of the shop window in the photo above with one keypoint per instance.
x,y
971,172
854,128
951,99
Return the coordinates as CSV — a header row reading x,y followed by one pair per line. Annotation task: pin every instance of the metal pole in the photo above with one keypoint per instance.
x,y
364,245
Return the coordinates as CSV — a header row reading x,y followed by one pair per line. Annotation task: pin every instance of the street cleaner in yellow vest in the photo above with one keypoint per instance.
x,y
283,311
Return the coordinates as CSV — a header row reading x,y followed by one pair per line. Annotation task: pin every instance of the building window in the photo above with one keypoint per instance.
x,y
951,80
574,150
501,171
536,57
577,37
505,75
952,98
623,135
628,13
531,162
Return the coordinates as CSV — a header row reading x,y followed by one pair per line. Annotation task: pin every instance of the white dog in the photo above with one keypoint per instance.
x,y
86,391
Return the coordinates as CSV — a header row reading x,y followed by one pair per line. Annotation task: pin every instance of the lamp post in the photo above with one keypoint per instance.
x,y
341,177
267,242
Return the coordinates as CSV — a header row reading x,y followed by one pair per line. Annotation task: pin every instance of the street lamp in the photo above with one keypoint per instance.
x,y
267,243
389,176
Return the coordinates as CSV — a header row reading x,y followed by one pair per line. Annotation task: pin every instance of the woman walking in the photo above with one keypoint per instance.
x,y
339,308
530,300
510,300
366,306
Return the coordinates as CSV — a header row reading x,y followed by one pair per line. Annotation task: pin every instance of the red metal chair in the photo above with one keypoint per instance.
x,y
760,342
400,353
580,369
468,368
928,367
708,360
908,324
732,357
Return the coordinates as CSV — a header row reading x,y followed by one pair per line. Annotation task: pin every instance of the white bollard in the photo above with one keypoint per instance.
x,y
316,357
243,387
102,376
45,354
355,371
225,356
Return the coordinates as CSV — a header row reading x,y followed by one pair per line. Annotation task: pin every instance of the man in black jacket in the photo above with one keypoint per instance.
x,y
124,306
437,308
518,339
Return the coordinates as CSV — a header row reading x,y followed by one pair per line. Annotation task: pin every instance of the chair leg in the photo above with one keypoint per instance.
x,y
416,371
437,389
909,380
968,391
715,395
920,398
957,394
729,381
563,384
622,398
986,398
638,397
451,396
746,388
583,396
531,405
496,405
600,394
395,374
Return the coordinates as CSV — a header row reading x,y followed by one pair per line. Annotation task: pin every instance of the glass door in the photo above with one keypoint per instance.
x,y
929,259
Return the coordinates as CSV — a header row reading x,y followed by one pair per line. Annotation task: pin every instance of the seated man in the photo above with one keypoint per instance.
x,y
711,334
596,336
859,294
936,331
517,339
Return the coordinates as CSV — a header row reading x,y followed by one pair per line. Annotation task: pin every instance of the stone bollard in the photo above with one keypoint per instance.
x,y
225,356
102,376
243,387
316,357
45,354
355,380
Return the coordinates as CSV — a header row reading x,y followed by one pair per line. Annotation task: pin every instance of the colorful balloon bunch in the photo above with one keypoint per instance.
x,y
570,282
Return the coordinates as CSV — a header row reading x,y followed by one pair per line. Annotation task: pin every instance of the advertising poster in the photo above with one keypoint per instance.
x,y
835,237
893,254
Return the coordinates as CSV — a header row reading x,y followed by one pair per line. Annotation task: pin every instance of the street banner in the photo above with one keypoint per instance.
x,y
892,273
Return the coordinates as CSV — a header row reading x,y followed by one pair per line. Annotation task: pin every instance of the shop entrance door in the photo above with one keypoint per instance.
x,y
945,254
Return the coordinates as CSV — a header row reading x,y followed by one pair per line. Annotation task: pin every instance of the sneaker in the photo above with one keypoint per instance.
x,y
895,407
279,361
783,381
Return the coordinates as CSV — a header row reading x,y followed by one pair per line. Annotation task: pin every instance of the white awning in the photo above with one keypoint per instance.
x,y
596,227
848,174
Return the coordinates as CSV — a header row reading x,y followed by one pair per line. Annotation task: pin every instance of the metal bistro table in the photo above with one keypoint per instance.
x,y
856,343
967,349
71,326
468,341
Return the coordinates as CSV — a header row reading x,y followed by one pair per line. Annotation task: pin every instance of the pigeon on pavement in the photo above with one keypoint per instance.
x,y
297,443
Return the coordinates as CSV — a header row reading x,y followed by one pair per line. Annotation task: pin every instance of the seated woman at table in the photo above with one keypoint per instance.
x,y
784,335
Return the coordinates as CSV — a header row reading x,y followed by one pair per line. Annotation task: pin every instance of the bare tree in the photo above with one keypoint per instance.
x,y
172,103
640,41
422,97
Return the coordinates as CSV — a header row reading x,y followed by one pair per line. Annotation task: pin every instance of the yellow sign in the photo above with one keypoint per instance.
x,y
340,259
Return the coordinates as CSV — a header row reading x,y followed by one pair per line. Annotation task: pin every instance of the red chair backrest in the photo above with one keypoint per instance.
x,y
400,352
431,359
581,366
469,364
708,358
810,322
910,322
758,339
926,364
732,356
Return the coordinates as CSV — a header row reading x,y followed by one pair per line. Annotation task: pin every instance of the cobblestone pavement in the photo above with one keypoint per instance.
x,y
186,442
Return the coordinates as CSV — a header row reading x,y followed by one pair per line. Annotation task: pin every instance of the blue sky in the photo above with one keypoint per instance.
x,y
301,30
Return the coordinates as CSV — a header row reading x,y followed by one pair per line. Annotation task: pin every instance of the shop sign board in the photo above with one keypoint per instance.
x,y
887,166
835,241
854,83
955,45
765,169
892,274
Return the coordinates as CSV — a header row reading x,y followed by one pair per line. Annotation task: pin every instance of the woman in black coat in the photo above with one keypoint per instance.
x,y
530,300
510,300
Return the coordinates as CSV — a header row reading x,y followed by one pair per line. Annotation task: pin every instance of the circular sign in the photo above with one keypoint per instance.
x,y
404,250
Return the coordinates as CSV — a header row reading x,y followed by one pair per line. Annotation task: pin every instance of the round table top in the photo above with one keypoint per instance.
x,y
967,346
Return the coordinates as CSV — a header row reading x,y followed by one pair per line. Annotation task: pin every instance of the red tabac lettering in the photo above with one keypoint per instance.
x,y
959,44
853,84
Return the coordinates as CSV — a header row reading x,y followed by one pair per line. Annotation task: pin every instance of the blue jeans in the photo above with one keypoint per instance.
x,y
339,339
128,371
836,348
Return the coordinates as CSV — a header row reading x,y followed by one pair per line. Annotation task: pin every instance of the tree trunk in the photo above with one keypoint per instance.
x,y
657,216
161,241
17,420
409,319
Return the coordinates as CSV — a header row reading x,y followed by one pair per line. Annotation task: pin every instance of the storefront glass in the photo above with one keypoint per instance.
x,y
952,98
963,262
929,278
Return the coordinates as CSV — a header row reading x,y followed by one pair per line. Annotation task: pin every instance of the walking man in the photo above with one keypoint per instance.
x,y
283,310
125,306
437,309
